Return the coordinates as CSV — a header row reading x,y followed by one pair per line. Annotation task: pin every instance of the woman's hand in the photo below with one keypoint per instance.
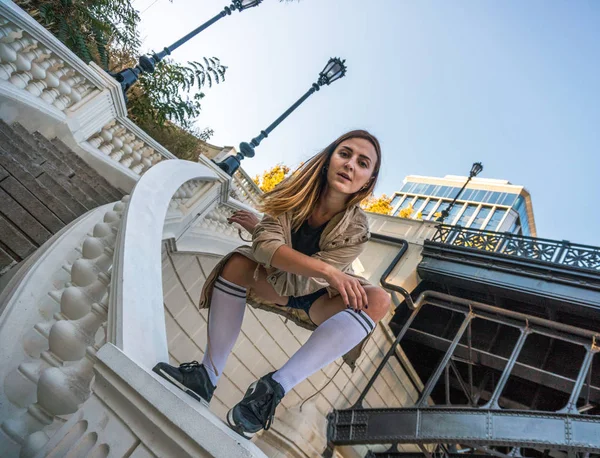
x,y
350,289
244,218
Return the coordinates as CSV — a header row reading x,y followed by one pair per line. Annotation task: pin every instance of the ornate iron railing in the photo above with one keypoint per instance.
x,y
546,250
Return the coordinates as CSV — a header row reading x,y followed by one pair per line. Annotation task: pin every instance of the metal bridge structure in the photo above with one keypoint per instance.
x,y
504,332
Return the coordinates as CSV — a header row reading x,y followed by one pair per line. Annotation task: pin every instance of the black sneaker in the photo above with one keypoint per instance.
x,y
257,409
189,377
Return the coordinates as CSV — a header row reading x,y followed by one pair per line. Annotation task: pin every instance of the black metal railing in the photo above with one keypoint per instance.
x,y
506,243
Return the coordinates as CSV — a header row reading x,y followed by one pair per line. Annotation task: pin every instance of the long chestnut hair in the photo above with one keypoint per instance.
x,y
300,191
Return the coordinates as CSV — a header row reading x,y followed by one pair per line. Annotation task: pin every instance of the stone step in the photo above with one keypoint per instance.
x,y
6,261
89,172
52,177
31,144
83,181
35,187
30,202
22,219
14,242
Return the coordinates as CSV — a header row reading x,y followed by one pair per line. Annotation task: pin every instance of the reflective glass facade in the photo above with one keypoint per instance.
x,y
476,208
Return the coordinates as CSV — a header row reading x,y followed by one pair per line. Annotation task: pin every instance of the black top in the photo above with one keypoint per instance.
x,y
306,239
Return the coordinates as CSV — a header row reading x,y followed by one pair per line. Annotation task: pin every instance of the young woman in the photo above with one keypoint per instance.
x,y
299,265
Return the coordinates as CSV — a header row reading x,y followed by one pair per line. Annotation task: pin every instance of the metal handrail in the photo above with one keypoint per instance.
x,y
540,249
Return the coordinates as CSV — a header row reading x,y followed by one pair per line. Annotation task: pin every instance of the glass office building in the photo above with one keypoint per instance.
x,y
494,205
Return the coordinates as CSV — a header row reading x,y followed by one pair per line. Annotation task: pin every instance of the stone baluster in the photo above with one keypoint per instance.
x,y
9,32
60,388
46,78
15,52
127,148
36,71
29,65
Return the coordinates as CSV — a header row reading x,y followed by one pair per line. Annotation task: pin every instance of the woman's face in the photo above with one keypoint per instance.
x,y
351,165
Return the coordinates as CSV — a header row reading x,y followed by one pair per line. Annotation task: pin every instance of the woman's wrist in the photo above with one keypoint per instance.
x,y
326,270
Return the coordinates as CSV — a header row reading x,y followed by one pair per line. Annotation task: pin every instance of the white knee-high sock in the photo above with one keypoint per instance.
x,y
227,307
333,338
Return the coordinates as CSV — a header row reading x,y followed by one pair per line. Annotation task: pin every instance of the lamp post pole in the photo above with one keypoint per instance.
x,y
334,70
147,64
475,170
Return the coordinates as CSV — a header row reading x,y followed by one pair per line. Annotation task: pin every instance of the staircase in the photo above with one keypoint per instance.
x,y
43,187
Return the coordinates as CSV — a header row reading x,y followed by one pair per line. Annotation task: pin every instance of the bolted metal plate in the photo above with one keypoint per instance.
x,y
392,424
585,433
537,428
453,424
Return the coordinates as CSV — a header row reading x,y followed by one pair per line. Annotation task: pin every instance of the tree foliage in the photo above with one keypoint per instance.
x,y
172,94
380,204
406,212
89,27
272,177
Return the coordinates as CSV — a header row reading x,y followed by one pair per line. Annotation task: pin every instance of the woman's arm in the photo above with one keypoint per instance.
x,y
270,249
292,261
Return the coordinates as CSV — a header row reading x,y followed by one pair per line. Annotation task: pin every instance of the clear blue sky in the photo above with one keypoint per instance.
x,y
513,84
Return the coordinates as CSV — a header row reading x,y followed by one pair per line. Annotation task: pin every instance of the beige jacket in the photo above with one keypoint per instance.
x,y
342,241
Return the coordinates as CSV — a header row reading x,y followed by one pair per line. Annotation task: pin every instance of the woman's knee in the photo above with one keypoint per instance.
x,y
379,303
239,270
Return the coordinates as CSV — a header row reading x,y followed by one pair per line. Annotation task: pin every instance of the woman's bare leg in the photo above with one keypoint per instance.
x,y
240,270
325,307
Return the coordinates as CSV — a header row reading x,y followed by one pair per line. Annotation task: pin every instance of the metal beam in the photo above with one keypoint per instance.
x,y
433,425
530,373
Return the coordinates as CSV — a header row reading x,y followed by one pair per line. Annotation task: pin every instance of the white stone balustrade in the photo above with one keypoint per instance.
x,y
216,221
245,189
123,146
58,380
29,65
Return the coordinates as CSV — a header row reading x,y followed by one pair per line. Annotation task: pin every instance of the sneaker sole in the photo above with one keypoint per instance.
x,y
236,428
183,388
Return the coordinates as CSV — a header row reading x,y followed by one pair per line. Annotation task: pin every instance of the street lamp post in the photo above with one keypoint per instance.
x,y
147,64
334,70
475,170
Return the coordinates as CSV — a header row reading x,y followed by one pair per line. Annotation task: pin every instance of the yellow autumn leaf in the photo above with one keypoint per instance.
x,y
381,205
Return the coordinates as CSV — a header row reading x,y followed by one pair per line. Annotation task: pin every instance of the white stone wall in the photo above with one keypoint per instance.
x,y
267,341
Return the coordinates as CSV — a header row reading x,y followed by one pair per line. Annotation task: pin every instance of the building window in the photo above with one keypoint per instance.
x,y
418,204
466,216
495,220
467,194
405,203
396,199
453,213
508,199
428,209
480,218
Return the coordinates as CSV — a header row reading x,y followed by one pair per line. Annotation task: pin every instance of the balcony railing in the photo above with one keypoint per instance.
x,y
552,251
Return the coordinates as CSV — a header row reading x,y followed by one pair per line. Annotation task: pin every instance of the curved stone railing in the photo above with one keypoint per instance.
x,y
136,297
55,377
117,277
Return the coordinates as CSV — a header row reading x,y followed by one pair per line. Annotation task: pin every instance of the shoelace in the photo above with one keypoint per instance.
x,y
269,420
273,405
189,366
